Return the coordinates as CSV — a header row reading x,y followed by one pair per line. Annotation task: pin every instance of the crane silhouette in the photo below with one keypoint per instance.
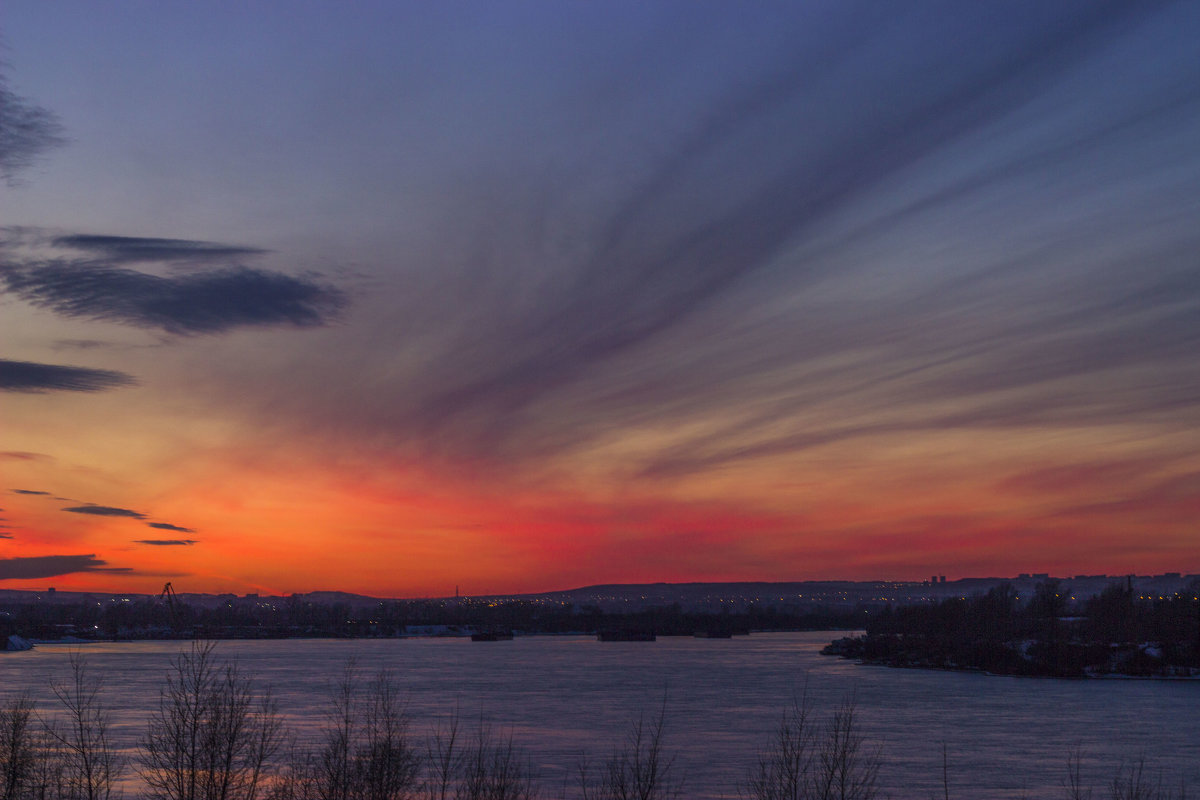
x,y
172,600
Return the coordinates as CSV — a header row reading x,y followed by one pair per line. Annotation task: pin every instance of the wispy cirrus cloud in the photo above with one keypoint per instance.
x,y
30,376
758,268
79,344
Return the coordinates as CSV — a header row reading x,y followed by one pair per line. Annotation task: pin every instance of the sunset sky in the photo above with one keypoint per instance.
x,y
396,297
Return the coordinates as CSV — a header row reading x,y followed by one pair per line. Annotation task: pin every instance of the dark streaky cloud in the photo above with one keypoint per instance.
x,y
50,566
29,376
29,491
166,526
128,249
198,303
20,455
26,130
165,542
105,511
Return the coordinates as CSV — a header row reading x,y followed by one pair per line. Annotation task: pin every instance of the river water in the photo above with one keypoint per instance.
x,y
566,697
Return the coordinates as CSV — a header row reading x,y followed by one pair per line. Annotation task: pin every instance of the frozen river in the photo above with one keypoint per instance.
x,y
566,697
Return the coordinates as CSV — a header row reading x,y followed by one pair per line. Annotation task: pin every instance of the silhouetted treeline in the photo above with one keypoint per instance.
x,y
1114,632
297,617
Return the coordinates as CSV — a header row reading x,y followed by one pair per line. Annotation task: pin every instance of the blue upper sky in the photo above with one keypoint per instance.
x,y
688,252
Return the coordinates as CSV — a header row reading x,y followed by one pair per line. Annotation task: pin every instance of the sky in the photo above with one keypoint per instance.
x,y
395,298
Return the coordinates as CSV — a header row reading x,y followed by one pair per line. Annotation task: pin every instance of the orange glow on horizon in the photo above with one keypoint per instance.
x,y
399,532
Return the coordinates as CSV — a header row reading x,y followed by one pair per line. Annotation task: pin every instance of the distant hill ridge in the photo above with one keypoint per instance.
x,y
733,592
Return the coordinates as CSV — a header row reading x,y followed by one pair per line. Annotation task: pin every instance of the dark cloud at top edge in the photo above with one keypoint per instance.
x,y
130,249
105,511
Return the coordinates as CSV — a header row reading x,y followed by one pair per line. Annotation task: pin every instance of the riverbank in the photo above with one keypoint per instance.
x,y
1071,660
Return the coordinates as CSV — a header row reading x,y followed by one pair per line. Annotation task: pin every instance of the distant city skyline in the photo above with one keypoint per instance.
x,y
397,297
834,596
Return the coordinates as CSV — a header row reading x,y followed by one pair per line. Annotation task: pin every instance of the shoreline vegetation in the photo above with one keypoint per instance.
x,y
218,736
1112,634
149,618
1042,629
710,610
